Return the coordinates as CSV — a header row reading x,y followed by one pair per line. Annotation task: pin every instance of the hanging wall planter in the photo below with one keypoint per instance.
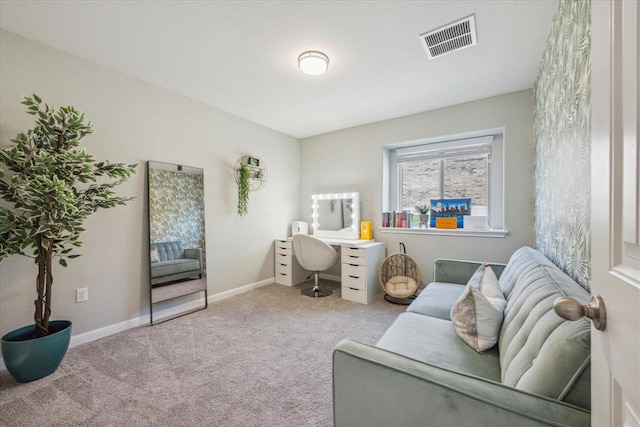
x,y
251,175
243,189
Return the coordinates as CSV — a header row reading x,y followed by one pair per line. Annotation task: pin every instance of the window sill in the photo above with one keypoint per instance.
x,y
445,232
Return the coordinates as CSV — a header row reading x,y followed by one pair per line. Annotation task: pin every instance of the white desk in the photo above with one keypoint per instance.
x,y
360,261
343,242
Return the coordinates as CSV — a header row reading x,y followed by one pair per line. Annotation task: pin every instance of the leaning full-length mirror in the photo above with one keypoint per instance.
x,y
176,235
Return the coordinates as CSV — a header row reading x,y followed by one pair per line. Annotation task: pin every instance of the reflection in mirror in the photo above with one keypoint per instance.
x,y
336,215
176,233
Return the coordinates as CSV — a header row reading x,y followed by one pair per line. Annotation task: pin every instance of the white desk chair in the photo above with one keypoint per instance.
x,y
315,255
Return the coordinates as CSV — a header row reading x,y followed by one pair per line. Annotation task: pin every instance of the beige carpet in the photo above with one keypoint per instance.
x,y
262,358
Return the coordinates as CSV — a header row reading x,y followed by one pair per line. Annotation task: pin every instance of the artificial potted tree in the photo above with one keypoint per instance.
x,y
49,186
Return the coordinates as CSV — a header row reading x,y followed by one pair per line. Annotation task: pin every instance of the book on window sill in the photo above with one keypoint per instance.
x,y
397,219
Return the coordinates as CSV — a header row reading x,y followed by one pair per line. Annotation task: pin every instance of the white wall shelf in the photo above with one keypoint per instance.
x,y
258,173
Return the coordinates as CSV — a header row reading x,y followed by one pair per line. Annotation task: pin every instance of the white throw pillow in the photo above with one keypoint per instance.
x,y
477,315
155,257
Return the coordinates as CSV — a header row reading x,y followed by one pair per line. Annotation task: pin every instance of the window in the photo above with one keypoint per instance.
x,y
448,169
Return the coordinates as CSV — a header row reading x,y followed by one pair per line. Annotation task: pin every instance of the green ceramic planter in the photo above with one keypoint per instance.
x,y
28,358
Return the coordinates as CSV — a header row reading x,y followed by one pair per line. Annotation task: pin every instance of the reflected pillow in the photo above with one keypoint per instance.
x,y
478,313
154,255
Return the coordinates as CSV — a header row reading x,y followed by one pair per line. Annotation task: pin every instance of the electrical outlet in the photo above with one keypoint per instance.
x,y
82,294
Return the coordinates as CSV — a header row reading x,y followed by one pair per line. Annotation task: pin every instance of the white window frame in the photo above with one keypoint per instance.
x,y
493,137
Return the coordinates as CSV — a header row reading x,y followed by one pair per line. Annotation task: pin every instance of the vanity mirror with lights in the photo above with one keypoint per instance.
x,y
336,215
176,238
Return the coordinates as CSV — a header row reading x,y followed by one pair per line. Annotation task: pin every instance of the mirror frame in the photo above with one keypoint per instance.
x,y
354,234
183,287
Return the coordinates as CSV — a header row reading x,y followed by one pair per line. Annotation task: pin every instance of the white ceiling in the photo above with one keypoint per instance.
x,y
240,56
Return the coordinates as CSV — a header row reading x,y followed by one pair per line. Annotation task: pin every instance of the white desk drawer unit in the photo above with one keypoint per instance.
x,y
287,269
355,256
360,271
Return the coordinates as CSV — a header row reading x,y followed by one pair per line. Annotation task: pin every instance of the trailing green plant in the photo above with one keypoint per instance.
x,y
423,209
51,186
244,186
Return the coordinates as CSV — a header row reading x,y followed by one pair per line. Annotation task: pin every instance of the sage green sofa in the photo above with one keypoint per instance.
x,y
175,263
421,373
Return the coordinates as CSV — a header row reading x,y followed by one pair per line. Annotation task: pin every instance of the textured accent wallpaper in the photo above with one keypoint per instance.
x,y
176,208
562,142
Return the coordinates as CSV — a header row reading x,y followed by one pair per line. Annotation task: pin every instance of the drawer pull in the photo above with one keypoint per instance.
x,y
354,289
353,277
284,265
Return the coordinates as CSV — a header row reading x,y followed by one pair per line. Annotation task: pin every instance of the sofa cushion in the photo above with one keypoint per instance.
x,y
436,300
477,315
175,266
431,340
523,261
459,271
168,251
401,286
534,341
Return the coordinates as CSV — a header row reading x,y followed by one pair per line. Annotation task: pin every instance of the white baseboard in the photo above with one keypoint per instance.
x,y
240,290
106,331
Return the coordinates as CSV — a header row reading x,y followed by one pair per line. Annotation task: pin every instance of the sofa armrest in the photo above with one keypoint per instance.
x,y
374,387
460,271
194,253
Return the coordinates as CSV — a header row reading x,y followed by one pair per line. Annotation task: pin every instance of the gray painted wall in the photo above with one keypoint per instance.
x,y
134,122
351,160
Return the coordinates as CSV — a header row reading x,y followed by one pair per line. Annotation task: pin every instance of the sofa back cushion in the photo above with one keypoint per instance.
x,y
168,251
540,352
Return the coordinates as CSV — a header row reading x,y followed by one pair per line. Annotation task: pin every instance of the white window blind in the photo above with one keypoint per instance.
x,y
441,150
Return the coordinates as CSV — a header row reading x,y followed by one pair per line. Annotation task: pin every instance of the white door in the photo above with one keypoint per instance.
x,y
615,211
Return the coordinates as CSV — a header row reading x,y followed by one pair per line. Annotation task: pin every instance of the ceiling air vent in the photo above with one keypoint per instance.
x,y
455,36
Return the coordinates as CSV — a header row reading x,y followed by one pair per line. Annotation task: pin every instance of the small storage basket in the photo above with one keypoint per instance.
x,y
399,277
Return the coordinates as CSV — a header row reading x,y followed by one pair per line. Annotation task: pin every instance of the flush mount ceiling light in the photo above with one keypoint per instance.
x,y
313,62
